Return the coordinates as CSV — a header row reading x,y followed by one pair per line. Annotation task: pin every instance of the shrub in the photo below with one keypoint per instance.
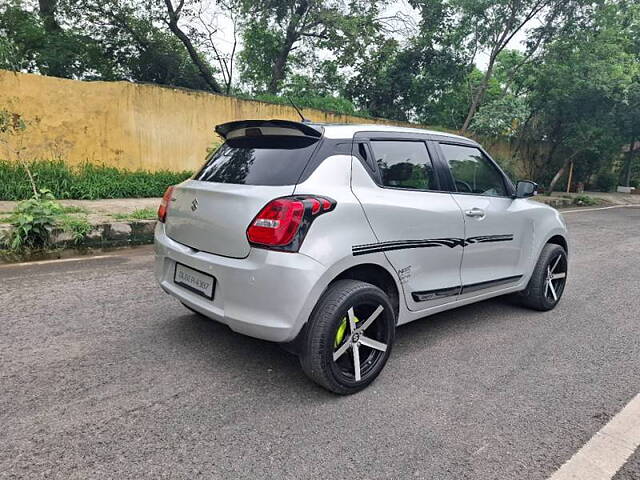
x,y
85,182
32,221
585,200
606,181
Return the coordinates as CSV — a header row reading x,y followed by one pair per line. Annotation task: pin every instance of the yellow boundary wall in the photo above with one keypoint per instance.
x,y
128,125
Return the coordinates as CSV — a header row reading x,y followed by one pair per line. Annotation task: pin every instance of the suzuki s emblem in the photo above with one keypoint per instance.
x,y
194,205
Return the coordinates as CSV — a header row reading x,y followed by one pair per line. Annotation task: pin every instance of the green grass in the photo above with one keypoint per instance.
x,y
85,182
586,201
74,209
140,214
76,225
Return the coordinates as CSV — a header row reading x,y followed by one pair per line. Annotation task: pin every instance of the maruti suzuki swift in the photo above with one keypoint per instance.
x,y
325,238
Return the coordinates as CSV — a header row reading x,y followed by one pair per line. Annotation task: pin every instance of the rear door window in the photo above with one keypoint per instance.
x,y
404,164
473,172
268,160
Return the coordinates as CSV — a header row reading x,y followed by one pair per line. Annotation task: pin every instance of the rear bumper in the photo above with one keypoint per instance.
x,y
266,295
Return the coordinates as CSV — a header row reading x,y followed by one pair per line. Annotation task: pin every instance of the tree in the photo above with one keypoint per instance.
x,y
8,54
580,86
190,22
375,87
136,42
173,18
628,114
421,78
492,24
206,19
275,30
95,40
408,84
501,117
629,120
38,44
48,11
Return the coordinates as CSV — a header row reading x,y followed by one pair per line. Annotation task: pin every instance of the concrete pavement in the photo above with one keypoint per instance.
x,y
104,376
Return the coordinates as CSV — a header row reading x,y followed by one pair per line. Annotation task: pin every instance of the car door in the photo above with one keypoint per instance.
x,y
419,227
497,234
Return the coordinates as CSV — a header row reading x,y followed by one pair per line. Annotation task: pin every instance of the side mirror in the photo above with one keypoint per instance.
x,y
525,188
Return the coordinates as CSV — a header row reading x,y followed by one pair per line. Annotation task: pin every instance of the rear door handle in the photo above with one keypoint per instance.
x,y
475,212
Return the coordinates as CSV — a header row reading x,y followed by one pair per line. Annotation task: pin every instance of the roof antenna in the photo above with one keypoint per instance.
x,y
304,120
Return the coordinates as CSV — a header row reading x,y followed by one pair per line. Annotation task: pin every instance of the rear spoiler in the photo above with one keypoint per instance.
x,y
305,129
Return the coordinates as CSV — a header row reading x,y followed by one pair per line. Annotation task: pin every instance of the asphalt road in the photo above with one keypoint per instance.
x,y
104,376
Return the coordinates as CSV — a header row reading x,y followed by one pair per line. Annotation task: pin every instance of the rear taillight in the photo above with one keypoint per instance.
x,y
164,204
283,223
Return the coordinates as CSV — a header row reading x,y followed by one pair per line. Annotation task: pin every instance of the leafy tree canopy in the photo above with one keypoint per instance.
x,y
284,37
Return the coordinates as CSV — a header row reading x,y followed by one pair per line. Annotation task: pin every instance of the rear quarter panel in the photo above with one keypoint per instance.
x,y
331,236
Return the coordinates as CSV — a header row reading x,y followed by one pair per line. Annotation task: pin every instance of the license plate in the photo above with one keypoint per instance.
x,y
193,280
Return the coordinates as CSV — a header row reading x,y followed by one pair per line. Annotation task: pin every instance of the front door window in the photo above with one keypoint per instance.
x,y
473,172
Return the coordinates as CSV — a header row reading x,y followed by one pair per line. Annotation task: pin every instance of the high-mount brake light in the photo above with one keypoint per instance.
x,y
163,209
283,223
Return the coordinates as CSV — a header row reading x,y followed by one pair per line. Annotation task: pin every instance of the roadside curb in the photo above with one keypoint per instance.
x,y
555,202
103,235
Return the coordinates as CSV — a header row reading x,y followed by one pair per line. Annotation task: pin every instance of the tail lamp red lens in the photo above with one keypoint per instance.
x,y
283,222
277,223
164,204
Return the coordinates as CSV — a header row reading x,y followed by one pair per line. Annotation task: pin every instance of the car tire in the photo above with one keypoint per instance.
x,y
339,357
548,280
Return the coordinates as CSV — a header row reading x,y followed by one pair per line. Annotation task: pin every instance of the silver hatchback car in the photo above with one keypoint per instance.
x,y
325,238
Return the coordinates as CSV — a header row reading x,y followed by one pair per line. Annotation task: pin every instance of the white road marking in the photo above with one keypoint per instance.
x,y
598,208
608,450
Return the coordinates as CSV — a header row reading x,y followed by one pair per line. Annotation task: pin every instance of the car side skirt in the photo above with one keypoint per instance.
x,y
426,295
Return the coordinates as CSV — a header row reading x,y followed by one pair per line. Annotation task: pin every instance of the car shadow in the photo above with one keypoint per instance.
x,y
268,368
422,332
229,355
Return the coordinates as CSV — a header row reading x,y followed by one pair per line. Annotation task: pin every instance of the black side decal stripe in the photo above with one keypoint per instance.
x,y
450,242
489,238
400,245
459,290
427,243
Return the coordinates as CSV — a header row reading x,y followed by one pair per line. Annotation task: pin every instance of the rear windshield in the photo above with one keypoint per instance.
x,y
274,160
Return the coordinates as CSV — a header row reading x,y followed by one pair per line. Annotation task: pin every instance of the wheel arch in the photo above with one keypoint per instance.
x,y
559,240
377,275
373,272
